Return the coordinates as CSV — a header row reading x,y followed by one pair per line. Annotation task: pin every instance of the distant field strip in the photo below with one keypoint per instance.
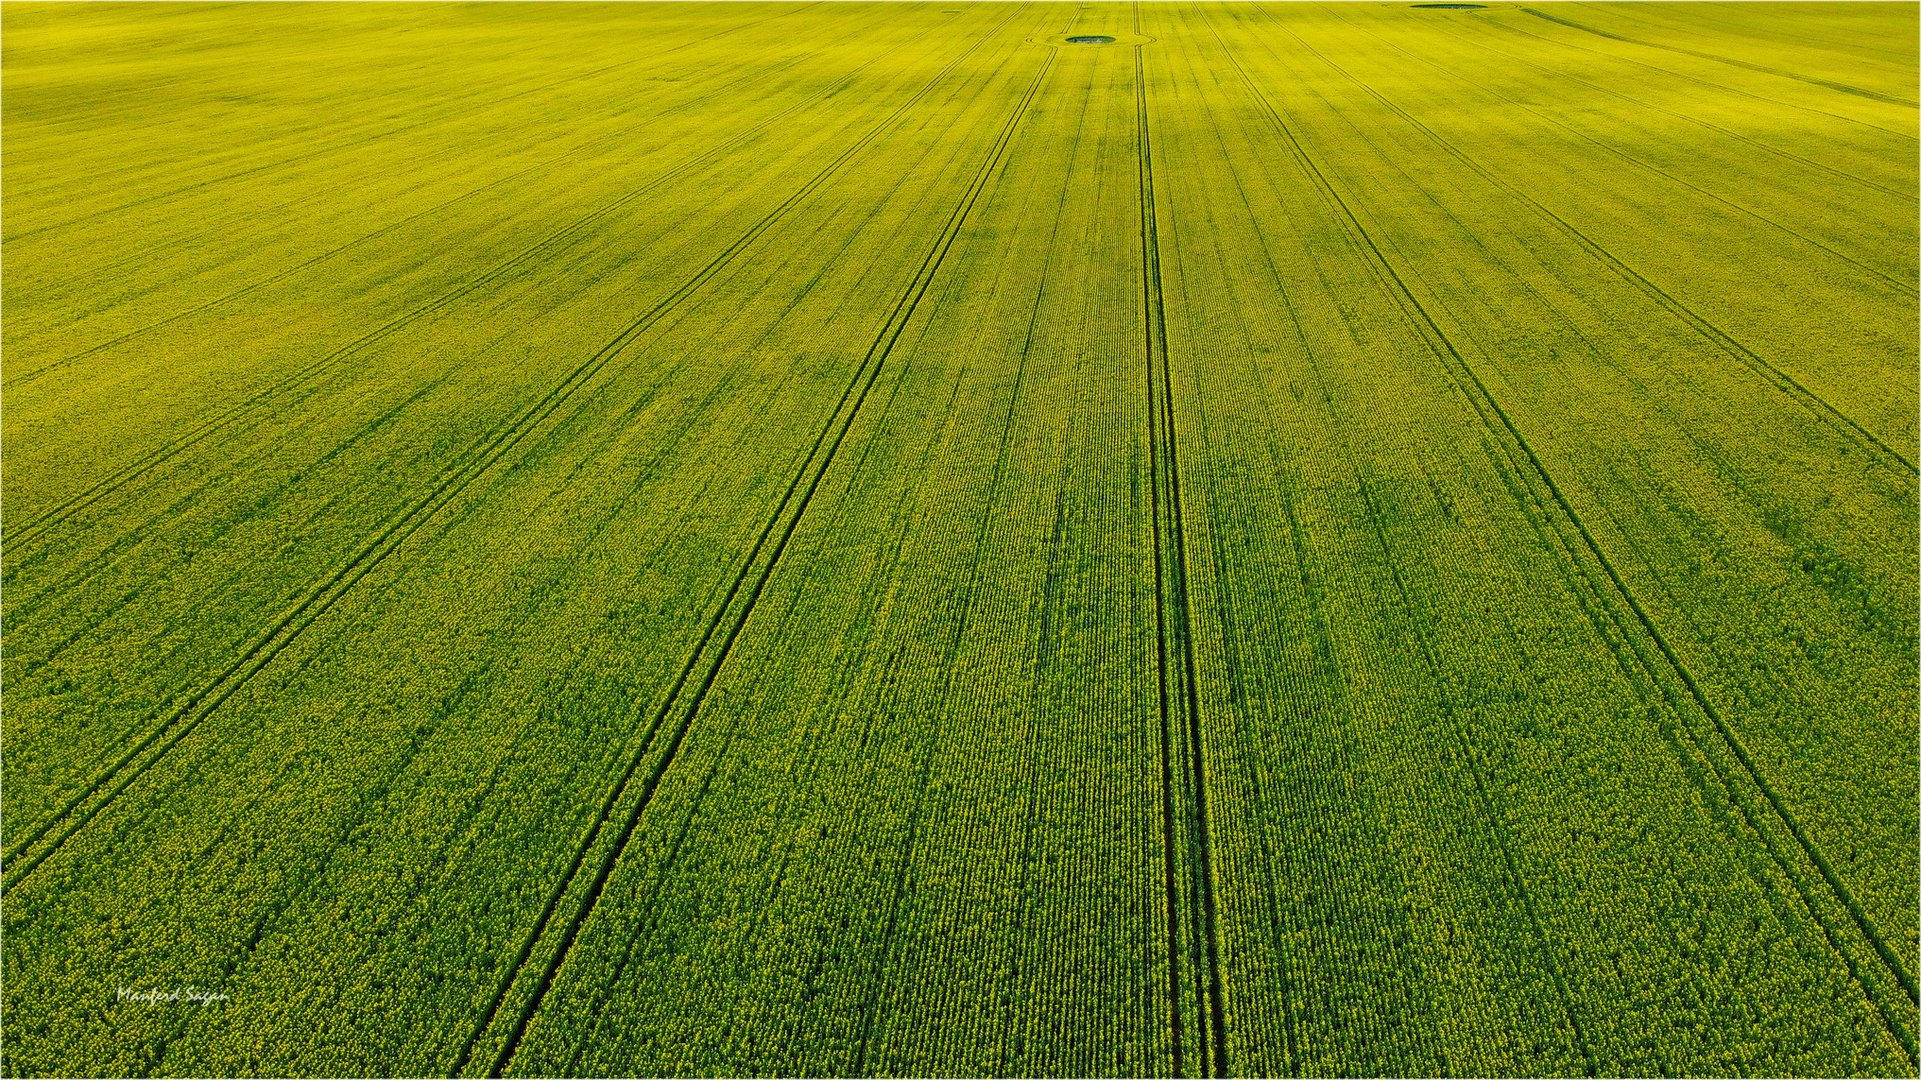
x,y
1196,539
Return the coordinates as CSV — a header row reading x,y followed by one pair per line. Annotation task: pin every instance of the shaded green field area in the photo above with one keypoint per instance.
x,y
868,539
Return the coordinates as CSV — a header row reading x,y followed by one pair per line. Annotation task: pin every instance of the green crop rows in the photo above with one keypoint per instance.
x,y
868,539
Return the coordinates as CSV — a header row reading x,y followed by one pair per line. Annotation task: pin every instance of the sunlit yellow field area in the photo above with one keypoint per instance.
x,y
959,539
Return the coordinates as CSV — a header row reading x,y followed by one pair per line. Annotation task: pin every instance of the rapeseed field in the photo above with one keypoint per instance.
x,y
959,539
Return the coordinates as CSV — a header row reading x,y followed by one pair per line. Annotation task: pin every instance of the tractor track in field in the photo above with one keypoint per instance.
x,y
673,718
27,533
620,966
377,136
1708,450
1826,84
1907,287
178,721
1050,583
106,271
690,102
1231,636
1498,817
1767,370
1194,947
1663,672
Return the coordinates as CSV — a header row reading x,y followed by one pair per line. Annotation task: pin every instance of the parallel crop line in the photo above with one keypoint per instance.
x,y
183,718
1179,706
627,954
1639,666
1873,95
1730,785
1772,374
140,466
1500,424
897,894
482,455
799,494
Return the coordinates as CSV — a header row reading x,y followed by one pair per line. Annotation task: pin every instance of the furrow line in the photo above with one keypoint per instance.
x,y
1226,613
179,721
1593,594
1507,433
139,467
315,879
897,895
1179,684
710,653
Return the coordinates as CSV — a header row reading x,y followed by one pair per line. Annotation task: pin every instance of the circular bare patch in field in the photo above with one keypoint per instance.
x,y
1090,41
